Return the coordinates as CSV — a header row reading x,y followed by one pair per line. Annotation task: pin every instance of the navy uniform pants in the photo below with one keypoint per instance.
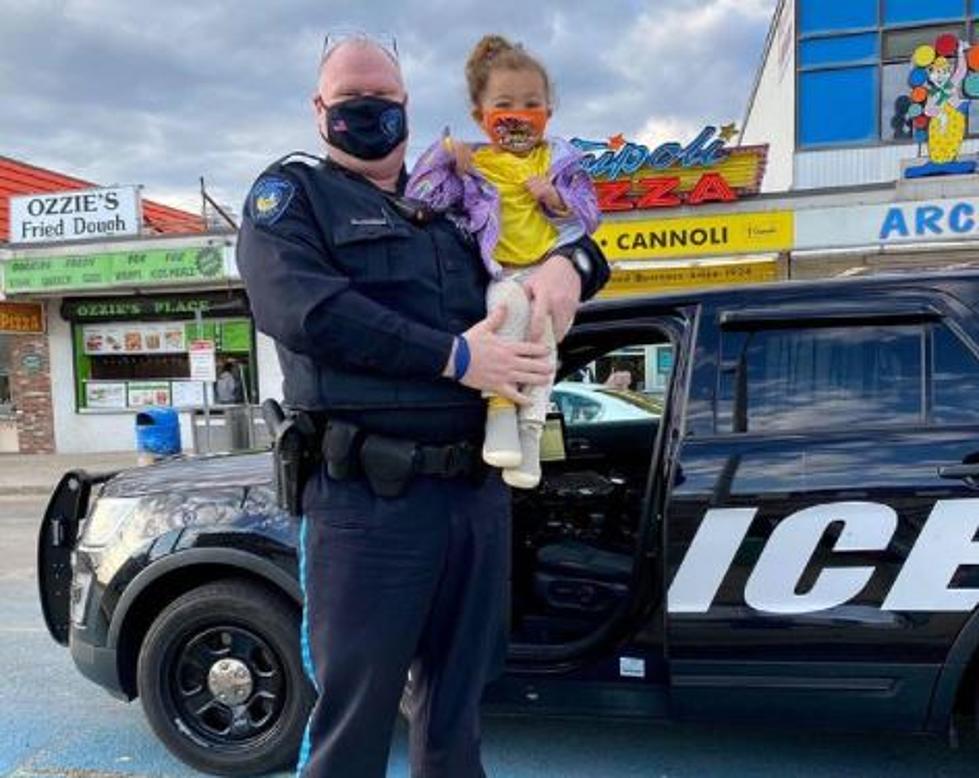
x,y
420,583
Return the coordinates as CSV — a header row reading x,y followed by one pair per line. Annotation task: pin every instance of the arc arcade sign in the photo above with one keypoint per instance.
x,y
633,176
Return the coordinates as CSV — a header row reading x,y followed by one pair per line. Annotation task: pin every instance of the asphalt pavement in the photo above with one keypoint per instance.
x,y
36,475
54,723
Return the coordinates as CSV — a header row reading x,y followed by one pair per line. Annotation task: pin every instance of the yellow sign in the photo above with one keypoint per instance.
x,y
667,279
697,236
21,318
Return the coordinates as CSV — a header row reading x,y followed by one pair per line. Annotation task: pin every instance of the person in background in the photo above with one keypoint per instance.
x,y
227,389
619,379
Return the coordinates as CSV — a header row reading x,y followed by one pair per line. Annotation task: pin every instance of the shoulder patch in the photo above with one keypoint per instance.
x,y
269,198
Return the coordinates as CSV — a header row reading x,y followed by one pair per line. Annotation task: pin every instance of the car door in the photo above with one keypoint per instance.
x,y
837,429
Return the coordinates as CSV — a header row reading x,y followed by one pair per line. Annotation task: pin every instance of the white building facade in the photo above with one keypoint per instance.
x,y
827,94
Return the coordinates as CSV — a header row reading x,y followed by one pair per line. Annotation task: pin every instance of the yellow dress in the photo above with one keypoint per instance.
x,y
945,134
526,234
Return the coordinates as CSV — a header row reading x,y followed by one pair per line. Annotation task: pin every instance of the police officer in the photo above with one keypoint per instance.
x,y
377,311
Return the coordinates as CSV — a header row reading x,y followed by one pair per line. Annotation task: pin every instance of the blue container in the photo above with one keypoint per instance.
x,y
158,432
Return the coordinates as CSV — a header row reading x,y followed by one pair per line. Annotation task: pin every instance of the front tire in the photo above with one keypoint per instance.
x,y
221,679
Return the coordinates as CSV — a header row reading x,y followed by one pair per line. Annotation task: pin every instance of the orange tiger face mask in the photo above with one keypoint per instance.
x,y
515,131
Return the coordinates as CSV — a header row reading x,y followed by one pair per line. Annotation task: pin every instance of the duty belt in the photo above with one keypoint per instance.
x,y
389,464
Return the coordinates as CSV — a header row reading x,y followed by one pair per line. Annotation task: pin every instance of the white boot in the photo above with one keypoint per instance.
x,y
527,474
502,446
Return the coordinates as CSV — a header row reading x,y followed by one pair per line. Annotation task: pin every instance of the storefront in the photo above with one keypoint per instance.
x,y
25,408
131,352
121,318
679,215
839,168
871,110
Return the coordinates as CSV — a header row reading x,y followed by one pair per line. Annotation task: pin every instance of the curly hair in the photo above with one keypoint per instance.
x,y
496,52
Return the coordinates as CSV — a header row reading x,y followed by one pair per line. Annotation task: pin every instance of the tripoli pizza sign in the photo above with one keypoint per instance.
x,y
632,176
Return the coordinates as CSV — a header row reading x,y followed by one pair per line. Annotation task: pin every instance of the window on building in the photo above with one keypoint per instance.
x,y
854,66
894,103
6,401
838,106
137,363
899,45
911,11
821,378
832,15
840,49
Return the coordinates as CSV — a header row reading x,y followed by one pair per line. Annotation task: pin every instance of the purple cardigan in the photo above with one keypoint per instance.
x,y
435,182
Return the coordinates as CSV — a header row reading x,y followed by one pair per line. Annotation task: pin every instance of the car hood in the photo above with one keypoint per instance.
x,y
193,474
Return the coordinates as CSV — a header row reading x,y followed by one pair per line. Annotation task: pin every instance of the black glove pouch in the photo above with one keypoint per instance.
x,y
389,464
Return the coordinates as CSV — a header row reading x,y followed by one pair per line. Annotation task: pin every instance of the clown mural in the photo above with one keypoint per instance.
x,y
943,81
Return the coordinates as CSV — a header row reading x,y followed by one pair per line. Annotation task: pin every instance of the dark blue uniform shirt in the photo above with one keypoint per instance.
x,y
363,304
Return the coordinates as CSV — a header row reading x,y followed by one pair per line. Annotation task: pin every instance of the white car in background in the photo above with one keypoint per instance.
x,y
584,403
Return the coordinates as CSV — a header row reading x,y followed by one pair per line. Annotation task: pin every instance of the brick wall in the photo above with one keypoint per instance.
x,y
30,379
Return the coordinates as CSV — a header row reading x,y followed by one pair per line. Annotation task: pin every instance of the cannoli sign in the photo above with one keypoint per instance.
x,y
633,176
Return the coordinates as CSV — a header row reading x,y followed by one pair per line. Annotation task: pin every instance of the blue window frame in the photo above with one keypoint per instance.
x,y
839,49
834,15
910,11
863,42
838,106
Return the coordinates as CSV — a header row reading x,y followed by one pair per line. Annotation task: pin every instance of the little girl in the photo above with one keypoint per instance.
x,y
523,196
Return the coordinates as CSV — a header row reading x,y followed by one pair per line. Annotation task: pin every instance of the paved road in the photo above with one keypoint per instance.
x,y
55,723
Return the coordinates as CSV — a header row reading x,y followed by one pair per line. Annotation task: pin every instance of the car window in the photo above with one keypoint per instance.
x,y
652,405
821,378
955,382
576,409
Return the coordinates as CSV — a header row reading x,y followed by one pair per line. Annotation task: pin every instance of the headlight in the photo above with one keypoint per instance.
x,y
106,518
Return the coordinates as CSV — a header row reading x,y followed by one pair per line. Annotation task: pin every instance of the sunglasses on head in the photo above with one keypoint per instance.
x,y
384,41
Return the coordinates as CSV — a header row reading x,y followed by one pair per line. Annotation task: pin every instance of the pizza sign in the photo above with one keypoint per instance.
x,y
633,176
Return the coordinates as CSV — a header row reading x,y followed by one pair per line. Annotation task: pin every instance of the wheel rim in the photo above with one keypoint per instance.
x,y
225,686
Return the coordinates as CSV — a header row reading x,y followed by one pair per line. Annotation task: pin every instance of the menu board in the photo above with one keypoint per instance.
x,y
143,393
105,394
236,336
190,394
156,338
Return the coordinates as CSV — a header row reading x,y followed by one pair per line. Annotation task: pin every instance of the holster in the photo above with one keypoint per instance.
x,y
295,453
389,464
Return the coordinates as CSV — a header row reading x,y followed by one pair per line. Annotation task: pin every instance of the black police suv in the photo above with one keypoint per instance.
x,y
767,506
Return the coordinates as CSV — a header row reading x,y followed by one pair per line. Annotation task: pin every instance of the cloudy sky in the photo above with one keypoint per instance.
x,y
160,93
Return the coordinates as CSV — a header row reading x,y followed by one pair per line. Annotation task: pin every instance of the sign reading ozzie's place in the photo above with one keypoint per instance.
x,y
86,214
700,236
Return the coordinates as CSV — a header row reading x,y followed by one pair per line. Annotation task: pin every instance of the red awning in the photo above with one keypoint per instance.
x,y
19,178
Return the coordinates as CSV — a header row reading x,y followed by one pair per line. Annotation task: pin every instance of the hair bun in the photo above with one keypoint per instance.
x,y
493,51
488,47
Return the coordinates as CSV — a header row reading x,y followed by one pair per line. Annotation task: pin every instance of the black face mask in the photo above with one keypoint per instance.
x,y
366,127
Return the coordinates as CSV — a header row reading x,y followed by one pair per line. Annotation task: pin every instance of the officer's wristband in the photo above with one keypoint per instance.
x,y
462,357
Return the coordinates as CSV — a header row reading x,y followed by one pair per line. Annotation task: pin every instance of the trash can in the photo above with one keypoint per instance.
x,y
157,434
238,420
224,430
